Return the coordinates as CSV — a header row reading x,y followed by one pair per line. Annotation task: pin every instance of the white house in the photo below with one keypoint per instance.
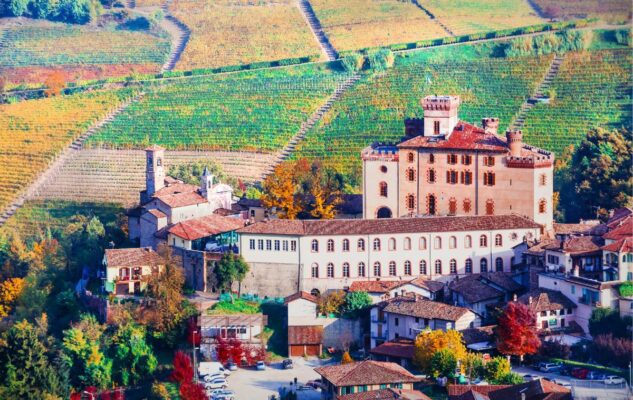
x,y
245,327
317,255
127,270
382,290
552,310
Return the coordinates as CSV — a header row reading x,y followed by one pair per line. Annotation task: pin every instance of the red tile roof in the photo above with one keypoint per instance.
x,y
301,295
624,230
428,284
457,392
465,136
581,228
473,290
401,348
386,394
136,257
180,195
621,246
422,308
157,213
546,300
205,226
312,334
576,245
374,286
533,390
390,226
366,373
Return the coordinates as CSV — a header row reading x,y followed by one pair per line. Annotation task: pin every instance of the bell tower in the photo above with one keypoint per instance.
x,y
206,183
440,115
154,170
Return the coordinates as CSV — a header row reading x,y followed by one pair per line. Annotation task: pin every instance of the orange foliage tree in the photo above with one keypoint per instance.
x,y
10,290
55,83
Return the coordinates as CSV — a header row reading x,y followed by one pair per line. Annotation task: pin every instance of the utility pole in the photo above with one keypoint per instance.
x,y
195,369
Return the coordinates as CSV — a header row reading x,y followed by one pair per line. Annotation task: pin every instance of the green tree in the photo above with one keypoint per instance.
x,y
77,11
511,378
355,303
17,8
229,269
473,366
353,62
443,363
43,8
496,369
133,357
605,320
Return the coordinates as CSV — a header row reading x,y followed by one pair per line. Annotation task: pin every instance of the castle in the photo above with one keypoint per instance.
x,y
445,166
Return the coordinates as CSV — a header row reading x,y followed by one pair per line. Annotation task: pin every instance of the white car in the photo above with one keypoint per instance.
x,y
212,377
613,380
219,383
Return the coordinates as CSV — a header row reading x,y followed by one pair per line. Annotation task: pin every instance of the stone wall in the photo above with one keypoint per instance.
x,y
341,333
271,279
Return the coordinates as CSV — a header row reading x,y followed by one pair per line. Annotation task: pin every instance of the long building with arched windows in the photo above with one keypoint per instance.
x,y
444,166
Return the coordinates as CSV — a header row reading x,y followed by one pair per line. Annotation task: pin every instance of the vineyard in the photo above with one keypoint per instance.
x,y
37,46
249,111
607,10
356,24
230,32
375,109
591,89
464,17
33,132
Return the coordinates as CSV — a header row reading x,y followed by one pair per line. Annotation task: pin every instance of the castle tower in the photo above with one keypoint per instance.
x,y
515,142
154,169
440,115
206,183
490,125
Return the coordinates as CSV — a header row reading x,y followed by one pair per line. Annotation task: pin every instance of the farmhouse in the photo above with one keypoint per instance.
x,y
445,166
127,270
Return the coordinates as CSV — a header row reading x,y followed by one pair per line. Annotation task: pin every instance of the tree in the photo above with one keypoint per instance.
x,y
605,320
347,358
192,391
555,349
355,303
280,187
473,366
443,363
331,302
42,8
229,269
55,83
183,370
133,358
516,331
10,290
511,378
16,8
76,11
610,350
496,369
428,342
353,62
159,392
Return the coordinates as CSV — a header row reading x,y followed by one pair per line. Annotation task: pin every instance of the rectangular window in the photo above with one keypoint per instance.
x,y
489,161
269,244
293,245
466,177
277,245
573,289
251,244
436,127
285,245
451,177
260,244
396,321
467,159
489,178
451,159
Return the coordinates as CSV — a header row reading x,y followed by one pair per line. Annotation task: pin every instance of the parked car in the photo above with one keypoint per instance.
x,y
212,377
261,366
538,366
596,376
530,377
562,383
579,373
613,380
287,363
551,367
223,394
219,383
231,366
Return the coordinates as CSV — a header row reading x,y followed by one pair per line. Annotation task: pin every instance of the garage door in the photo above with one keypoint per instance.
x,y
299,350
312,350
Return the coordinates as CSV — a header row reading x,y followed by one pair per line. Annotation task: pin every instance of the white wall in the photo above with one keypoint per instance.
x,y
302,312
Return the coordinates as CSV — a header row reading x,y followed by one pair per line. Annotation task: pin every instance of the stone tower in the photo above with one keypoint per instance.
x,y
515,142
440,115
206,183
154,170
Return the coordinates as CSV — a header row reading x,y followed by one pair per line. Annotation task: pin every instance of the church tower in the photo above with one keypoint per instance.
x,y
154,170
206,183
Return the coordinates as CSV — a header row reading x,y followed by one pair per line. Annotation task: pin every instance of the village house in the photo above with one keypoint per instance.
x,y
538,389
445,166
552,310
363,376
127,270
245,327
382,290
481,293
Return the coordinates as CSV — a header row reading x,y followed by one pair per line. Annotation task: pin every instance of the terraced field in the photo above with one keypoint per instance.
x,y
464,17
607,10
375,109
251,111
32,47
231,32
356,24
592,89
33,132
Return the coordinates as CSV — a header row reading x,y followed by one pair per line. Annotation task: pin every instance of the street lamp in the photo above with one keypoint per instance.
x,y
195,370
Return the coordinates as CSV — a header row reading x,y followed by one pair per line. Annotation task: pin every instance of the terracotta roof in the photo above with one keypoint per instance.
x,y
401,348
197,228
464,392
366,373
180,195
132,257
538,249
416,306
388,226
386,394
473,290
225,212
428,284
546,300
312,334
623,230
581,228
577,245
618,216
502,279
621,246
374,286
533,390
465,136
301,295
478,335
157,213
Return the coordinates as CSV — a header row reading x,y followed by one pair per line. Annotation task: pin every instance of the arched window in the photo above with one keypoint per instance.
x,y
452,242
422,267
468,266
376,268
315,245
468,242
483,241
431,158
422,243
376,244
498,240
499,264
407,243
330,270
407,267
392,244
430,175
361,269
392,268
346,270
483,265
438,267
453,266
330,245
382,186
411,202
430,205
315,270
361,244
410,157
452,206
467,205
345,245
542,206
410,174
437,242
490,207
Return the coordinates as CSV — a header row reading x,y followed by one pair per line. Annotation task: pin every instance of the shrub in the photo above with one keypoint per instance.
x,y
353,62
608,321
610,350
554,348
624,36
626,289
496,369
380,60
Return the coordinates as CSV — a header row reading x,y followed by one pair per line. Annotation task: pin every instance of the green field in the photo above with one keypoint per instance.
x,y
252,111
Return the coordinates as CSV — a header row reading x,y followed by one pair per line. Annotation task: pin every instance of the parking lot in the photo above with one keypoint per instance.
x,y
250,384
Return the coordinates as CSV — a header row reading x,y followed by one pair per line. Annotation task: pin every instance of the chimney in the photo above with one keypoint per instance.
x,y
490,125
515,142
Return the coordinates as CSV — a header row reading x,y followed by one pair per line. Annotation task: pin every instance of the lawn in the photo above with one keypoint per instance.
x,y
356,24
232,32
237,306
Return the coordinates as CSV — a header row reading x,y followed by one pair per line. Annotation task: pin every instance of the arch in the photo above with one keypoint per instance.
x,y
468,266
490,207
542,206
438,267
422,243
345,244
377,268
437,242
422,267
315,245
330,245
315,270
361,269
361,245
483,241
498,240
452,242
410,157
483,265
411,202
468,242
467,205
430,175
315,292
407,267
431,204
407,243
453,266
392,244
383,189
499,264
392,268
346,270
410,174
383,212
452,206
330,270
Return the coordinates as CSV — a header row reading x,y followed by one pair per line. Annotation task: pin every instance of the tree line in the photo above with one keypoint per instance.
x,y
71,11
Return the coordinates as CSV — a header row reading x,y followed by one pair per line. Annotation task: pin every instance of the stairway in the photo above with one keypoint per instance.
x,y
49,174
432,17
179,37
315,25
539,93
290,147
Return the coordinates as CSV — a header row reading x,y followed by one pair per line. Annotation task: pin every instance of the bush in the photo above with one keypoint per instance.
x,y
76,11
496,370
608,321
554,348
626,289
380,60
353,62
624,36
610,350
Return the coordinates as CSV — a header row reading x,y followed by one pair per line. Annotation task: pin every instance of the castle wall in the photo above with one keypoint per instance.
x,y
271,279
372,177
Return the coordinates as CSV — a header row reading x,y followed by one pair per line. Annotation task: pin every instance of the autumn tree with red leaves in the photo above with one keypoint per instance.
x,y
516,331
192,391
183,370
